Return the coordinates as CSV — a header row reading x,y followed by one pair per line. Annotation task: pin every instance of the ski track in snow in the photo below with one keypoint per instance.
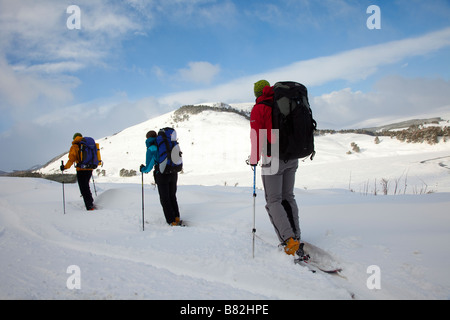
x,y
211,259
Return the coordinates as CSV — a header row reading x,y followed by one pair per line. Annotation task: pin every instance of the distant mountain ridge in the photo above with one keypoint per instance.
x,y
406,124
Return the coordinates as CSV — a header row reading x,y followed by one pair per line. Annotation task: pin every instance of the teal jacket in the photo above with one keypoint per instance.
x,y
152,157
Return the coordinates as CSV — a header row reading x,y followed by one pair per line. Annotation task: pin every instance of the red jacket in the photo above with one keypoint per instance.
x,y
261,118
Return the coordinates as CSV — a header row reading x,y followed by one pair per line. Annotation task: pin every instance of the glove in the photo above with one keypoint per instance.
x,y
62,167
249,162
141,167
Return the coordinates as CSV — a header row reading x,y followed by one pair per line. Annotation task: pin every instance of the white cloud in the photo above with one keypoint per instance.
x,y
39,54
199,72
304,13
49,67
353,65
360,63
20,89
48,134
36,33
187,12
393,98
38,51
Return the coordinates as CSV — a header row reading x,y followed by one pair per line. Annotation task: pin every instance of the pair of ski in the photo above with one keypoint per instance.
x,y
305,260
314,267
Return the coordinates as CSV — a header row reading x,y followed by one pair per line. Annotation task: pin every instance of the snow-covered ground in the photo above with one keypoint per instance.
x,y
405,234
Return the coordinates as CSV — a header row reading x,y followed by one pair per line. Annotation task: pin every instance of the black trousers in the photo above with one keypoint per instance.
x,y
167,188
83,178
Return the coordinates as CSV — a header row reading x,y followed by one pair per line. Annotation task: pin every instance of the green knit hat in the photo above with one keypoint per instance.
x,y
259,86
77,135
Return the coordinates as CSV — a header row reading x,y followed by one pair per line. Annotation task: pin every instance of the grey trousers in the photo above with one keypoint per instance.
x,y
280,200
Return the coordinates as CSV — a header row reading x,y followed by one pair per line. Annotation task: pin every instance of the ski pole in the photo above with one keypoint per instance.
x,y
142,201
64,197
254,216
93,182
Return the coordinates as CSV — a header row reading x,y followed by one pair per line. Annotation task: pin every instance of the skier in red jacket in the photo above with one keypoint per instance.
x,y
279,183
261,118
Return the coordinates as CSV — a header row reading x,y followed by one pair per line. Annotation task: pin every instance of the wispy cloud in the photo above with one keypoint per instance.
x,y
39,55
22,88
34,31
303,13
352,65
199,72
198,13
360,63
393,98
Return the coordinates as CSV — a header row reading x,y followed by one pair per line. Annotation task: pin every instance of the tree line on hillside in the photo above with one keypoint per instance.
x,y
413,134
183,113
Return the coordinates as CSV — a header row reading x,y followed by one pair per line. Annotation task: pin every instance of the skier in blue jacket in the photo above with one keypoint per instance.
x,y
167,183
152,152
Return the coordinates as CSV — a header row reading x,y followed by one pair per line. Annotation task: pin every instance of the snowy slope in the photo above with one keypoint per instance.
x,y
406,233
215,146
213,143
407,236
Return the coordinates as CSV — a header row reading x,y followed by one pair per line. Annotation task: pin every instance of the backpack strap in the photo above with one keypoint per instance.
x,y
267,103
166,142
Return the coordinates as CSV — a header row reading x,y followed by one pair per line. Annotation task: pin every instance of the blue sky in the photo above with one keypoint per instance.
x,y
133,60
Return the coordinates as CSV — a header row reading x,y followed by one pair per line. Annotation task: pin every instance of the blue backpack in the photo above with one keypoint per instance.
x,y
89,154
170,155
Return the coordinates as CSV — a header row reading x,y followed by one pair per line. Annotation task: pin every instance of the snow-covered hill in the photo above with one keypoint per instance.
x,y
405,234
216,145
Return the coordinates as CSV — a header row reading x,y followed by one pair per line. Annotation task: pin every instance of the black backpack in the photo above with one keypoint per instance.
x,y
292,115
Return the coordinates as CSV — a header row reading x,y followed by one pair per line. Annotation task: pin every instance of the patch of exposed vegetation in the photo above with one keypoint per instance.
x,y
183,113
